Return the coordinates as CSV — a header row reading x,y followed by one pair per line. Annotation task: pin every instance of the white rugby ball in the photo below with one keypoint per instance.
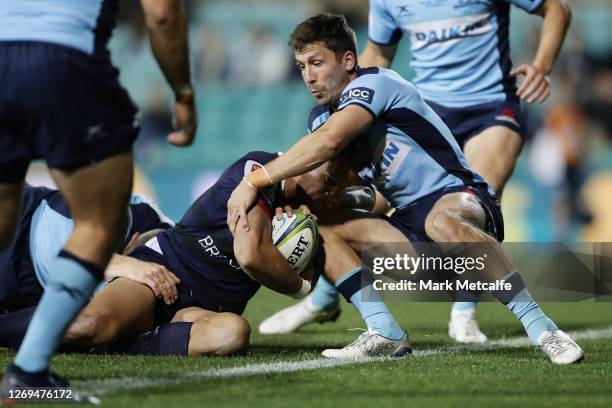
x,y
296,238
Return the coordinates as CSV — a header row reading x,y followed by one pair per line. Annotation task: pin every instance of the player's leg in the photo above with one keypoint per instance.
x,y
492,154
101,323
460,218
214,333
351,277
194,331
97,196
322,305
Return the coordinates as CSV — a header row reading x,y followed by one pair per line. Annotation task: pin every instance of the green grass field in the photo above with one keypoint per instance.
x,y
504,374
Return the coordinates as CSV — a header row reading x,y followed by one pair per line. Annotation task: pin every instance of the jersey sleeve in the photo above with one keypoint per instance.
x,y
372,92
318,115
528,5
382,28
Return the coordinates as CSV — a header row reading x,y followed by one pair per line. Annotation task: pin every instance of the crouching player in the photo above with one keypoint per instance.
x,y
414,162
44,226
218,275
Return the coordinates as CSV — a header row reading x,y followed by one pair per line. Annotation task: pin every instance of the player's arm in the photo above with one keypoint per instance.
x,y
556,16
308,153
256,253
376,55
166,22
161,281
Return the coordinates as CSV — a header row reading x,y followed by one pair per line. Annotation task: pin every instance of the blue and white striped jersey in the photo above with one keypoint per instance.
x,y
410,151
460,48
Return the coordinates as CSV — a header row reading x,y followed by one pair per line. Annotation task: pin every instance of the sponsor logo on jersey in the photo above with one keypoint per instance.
x,y
403,11
359,94
508,115
444,31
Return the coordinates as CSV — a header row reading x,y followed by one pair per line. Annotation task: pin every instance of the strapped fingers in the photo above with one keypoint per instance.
x,y
278,213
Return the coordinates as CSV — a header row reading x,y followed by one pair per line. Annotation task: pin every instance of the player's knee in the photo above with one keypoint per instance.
x,y
89,329
223,335
443,226
83,329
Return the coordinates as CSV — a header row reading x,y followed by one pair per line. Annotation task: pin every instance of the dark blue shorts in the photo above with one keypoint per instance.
x,y
60,105
466,122
410,220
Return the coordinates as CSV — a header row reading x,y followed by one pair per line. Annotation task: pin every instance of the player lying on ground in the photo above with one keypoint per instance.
x,y
467,79
214,288
26,265
415,163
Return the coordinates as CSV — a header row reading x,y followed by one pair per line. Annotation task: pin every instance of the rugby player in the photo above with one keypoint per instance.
x,y
44,227
61,101
218,275
461,58
414,162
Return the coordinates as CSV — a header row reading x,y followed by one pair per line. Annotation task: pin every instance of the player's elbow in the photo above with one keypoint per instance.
x,y
161,13
247,251
559,8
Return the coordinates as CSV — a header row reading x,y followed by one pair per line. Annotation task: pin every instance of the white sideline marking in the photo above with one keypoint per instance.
x,y
100,387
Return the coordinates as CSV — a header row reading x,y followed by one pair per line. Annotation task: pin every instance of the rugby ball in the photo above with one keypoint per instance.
x,y
296,238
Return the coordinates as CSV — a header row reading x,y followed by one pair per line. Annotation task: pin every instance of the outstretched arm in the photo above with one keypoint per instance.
x,y
308,153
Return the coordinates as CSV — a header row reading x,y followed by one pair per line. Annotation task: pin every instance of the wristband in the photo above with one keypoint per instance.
x,y
258,179
184,93
304,290
247,181
267,174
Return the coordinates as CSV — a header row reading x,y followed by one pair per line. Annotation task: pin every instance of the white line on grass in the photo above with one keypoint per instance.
x,y
100,387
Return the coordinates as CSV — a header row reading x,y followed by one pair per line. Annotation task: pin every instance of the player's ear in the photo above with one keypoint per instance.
x,y
349,61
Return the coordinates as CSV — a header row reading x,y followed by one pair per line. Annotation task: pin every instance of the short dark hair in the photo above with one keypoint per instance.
x,y
331,29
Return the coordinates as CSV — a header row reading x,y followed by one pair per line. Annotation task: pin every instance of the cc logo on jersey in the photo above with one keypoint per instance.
x,y
362,94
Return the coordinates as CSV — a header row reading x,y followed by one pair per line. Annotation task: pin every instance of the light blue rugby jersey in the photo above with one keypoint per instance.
x,y
51,227
411,152
82,24
460,48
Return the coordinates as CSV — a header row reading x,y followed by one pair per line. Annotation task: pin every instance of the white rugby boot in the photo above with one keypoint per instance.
x,y
560,348
463,327
293,317
371,344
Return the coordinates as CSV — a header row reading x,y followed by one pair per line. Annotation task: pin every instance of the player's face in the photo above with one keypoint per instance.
x,y
324,75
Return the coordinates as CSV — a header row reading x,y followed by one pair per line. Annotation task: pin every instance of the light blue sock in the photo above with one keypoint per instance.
x,y
461,306
369,304
324,295
70,285
531,316
519,301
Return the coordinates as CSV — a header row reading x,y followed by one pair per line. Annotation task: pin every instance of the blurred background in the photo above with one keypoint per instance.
x,y
251,97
